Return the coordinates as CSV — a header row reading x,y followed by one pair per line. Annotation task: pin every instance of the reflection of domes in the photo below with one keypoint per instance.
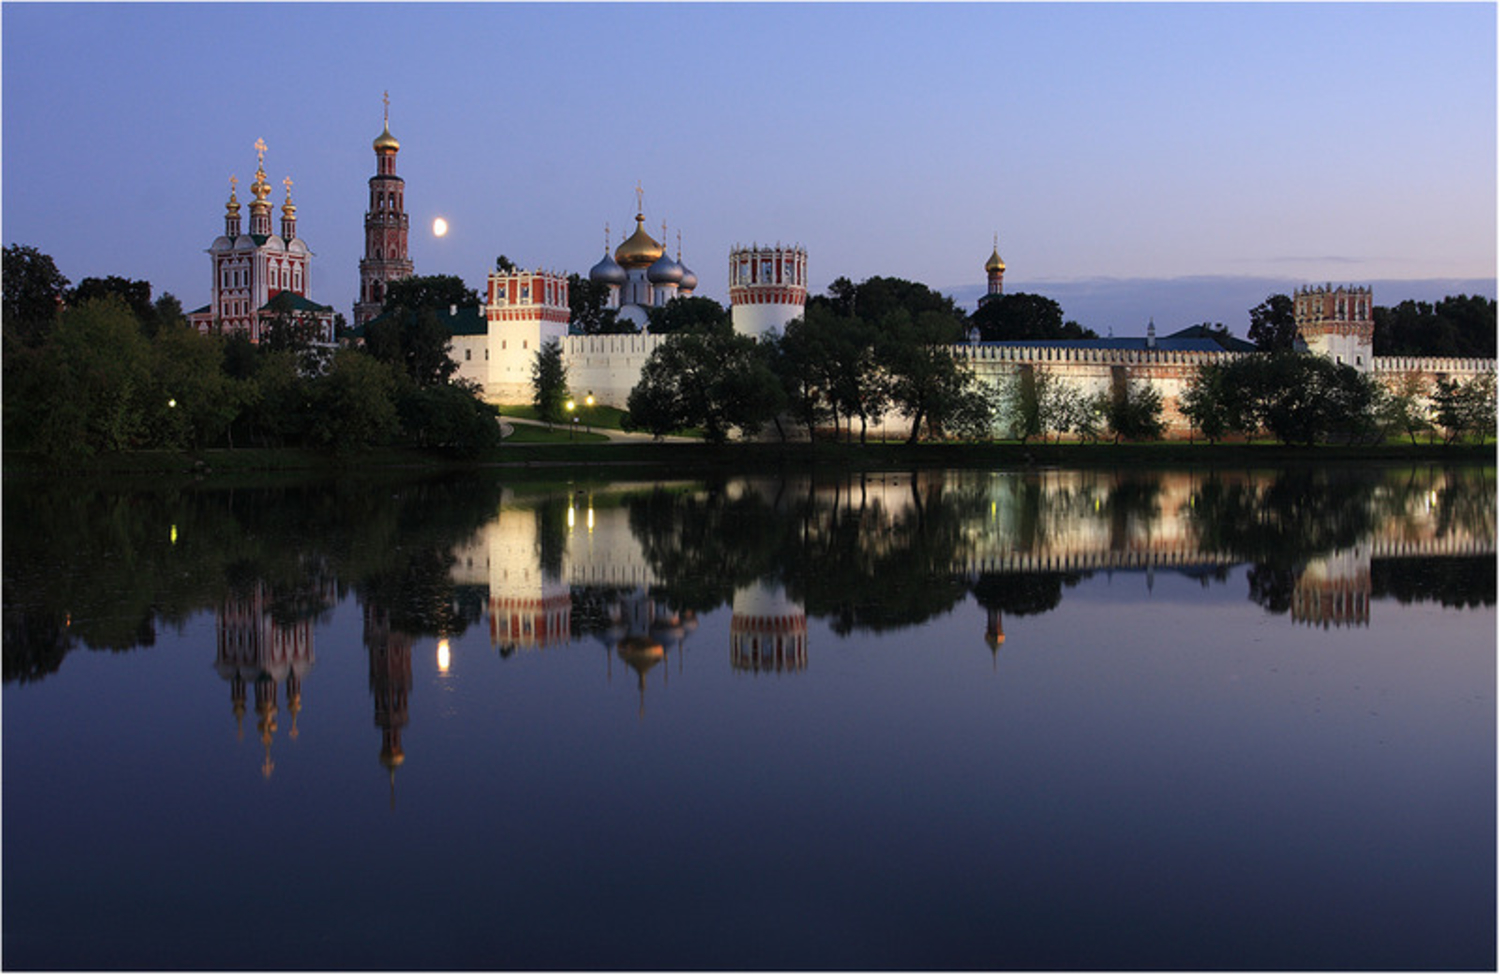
x,y
639,250
994,263
385,142
664,271
641,653
392,757
607,271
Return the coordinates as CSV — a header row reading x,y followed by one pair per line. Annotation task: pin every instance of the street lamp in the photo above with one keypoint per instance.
x,y
569,405
589,402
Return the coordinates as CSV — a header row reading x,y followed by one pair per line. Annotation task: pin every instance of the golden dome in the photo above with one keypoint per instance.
x,y
994,263
387,142
260,188
639,250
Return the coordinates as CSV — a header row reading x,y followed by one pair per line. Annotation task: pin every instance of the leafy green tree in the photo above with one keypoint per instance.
x,y
800,362
33,293
549,382
1273,324
203,401
691,314
353,403
135,294
716,380
1406,409
416,341
1134,412
1299,398
1035,401
927,382
438,292
1206,404
89,389
450,418
1461,325
504,264
1466,410
1020,317
586,308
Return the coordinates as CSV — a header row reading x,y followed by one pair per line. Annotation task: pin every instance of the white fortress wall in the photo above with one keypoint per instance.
x,y
609,366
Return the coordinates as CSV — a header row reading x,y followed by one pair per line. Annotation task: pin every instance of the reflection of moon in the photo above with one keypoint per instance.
x,y
439,227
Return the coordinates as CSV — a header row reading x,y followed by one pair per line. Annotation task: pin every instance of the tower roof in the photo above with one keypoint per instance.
x,y
994,263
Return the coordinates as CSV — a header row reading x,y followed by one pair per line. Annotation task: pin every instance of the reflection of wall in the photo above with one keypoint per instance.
x,y
254,650
767,632
1335,590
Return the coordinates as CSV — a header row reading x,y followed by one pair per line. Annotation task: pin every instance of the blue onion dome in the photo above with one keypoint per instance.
x,y
607,271
689,280
664,271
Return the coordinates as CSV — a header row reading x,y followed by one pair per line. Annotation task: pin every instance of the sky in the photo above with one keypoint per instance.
x,y
1170,162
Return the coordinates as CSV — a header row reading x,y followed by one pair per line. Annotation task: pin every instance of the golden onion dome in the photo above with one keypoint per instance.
x,y
994,263
260,188
639,250
385,142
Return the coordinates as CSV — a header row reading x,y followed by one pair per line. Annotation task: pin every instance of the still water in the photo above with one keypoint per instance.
x,y
1037,719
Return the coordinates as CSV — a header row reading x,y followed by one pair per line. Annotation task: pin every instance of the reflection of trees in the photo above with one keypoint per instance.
x,y
1023,593
1286,519
704,545
91,563
1455,582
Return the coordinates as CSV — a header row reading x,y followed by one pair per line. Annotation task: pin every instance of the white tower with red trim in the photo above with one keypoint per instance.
x,y
524,310
767,287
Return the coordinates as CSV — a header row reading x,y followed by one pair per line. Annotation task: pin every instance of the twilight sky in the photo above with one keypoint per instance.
x,y
1175,161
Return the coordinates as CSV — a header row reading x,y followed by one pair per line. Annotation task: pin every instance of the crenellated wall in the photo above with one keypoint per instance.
x,y
608,366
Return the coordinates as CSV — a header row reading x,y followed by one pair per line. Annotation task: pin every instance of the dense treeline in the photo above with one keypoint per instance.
x,y
102,368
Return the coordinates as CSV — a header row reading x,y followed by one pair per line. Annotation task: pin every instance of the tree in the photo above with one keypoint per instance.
x,y
416,341
450,418
1021,317
716,380
1134,412
926,381
33,293
438,292
353,404
1273,324
1406,408
135,294
799,360
1461,326
587,311
1035,400
1466,410
549,382
1205,402
504,264
691,314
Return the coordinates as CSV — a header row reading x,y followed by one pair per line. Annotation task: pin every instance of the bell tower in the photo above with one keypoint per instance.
x,y
386,227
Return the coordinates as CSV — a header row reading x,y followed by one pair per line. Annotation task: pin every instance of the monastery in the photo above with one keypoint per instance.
x,y
259,275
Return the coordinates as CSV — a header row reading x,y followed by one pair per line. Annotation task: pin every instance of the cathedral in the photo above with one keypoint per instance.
x,y
260,276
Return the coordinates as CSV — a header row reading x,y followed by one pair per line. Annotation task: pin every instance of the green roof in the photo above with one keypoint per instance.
x,y
468,320
291,301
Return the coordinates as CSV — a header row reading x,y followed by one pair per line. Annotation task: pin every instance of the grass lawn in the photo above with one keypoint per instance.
x,y
525,433
606,417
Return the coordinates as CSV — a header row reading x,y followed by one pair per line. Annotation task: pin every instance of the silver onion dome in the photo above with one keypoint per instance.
x,y
664,271
689,279
607,271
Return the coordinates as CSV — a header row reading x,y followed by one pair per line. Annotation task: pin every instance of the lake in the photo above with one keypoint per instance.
x,y
1028,719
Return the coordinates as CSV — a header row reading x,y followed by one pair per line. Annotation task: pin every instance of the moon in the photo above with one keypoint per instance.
x,y
439,227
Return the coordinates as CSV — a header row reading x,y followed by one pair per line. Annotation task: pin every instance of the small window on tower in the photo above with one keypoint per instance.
x,y
468,354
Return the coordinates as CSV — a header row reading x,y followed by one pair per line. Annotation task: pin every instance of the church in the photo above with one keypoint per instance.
x,y
260,276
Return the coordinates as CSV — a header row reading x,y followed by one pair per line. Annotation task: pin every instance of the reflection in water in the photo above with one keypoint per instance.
x,y
255,650
390,686
768,631
634,565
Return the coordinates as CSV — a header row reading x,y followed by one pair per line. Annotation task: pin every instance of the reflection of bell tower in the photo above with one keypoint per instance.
x,y
1334,591
767,632
254,649
390,686
994,632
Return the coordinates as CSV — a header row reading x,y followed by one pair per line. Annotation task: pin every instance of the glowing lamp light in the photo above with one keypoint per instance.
x,y
570,516
444,656
174,534
439,227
